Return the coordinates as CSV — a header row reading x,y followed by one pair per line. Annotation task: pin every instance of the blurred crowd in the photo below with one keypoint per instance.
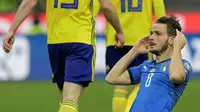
x,y
12,5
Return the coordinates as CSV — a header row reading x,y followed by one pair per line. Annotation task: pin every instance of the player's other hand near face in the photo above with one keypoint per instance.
x,y
119,40
8,42
179,40
142,45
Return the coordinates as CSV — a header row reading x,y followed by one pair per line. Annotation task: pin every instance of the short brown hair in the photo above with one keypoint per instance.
x,y
172,24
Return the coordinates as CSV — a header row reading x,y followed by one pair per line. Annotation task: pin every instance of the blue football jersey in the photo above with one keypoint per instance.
x,y
157,92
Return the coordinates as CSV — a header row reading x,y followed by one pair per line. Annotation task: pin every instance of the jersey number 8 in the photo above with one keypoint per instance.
x,y
130,7
148,81
66,5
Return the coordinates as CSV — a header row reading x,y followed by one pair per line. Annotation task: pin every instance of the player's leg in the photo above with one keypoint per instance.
x,y
140,59
71,94
120,92
79,72
119,100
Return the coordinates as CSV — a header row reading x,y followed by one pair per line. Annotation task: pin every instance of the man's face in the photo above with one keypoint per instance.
x,y
158,40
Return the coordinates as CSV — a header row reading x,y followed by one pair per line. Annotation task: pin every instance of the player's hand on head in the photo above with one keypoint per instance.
x,y
142,45
8,42
179,40
119,40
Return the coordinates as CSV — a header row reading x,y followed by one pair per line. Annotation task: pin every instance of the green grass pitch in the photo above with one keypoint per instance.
x,y
43,96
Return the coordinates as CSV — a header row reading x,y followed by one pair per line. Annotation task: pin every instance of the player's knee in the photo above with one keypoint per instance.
x,y
72,91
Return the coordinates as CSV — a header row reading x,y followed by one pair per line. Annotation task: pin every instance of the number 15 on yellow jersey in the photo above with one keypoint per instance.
x,y
73,5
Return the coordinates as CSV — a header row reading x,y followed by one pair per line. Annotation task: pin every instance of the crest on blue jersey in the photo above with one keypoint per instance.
x,y
153,70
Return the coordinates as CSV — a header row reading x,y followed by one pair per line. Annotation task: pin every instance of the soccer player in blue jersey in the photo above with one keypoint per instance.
x,y
163,80
136,20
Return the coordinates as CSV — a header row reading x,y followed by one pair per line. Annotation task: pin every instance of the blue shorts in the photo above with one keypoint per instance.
x,y
113,55
72,62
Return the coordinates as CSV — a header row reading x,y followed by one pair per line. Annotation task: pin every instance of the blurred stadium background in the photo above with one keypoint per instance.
x,y
25,73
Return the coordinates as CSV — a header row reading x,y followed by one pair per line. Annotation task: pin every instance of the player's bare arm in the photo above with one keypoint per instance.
x,y
119,73
177,71
23,11
111,15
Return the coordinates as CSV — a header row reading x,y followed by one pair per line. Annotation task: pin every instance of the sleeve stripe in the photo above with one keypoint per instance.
x,y
131,76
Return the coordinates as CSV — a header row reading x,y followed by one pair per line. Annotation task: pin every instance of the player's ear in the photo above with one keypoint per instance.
x,y
171,40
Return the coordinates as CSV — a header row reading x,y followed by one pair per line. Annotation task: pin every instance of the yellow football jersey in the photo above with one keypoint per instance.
x,y
70,21
136,19
96,7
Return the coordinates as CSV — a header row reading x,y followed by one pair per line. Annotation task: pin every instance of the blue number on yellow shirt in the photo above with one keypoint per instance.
x,y
67,5
130,8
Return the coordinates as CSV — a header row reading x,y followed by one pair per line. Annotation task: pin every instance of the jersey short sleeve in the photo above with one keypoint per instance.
x,y
188,69
135,74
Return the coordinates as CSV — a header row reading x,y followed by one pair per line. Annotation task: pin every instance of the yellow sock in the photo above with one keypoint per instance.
x,y
69,106
131,98
119,100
